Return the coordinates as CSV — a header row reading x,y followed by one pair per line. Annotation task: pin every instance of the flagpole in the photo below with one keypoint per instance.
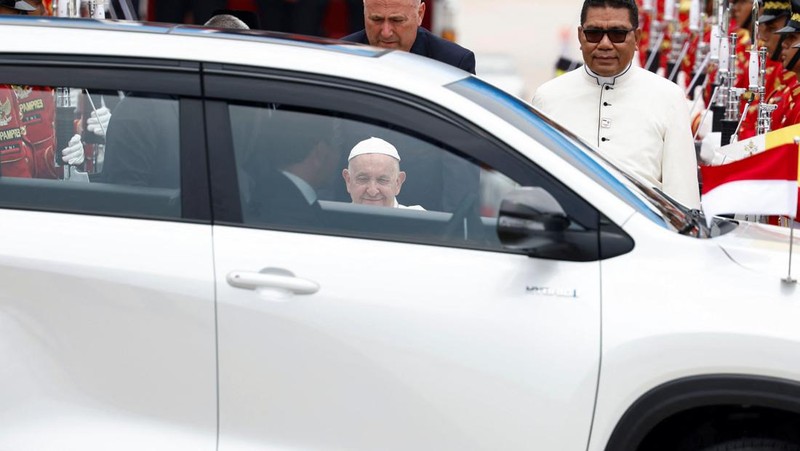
x,y
789,278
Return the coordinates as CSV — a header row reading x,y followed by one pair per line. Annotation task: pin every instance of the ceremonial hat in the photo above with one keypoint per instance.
x,y
19,5
793,26
774,9
374,145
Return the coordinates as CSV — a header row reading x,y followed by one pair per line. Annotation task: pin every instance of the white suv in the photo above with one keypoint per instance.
x,y
173,292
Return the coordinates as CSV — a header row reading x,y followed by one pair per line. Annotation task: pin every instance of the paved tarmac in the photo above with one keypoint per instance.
x,y
528,30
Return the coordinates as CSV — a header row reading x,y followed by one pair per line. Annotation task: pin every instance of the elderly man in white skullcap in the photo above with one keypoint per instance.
x,y
373,175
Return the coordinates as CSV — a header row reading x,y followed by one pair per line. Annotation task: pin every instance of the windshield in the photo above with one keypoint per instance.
x,y
648,201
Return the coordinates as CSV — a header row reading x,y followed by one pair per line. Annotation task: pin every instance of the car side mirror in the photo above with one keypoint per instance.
x,y
528,216
532,220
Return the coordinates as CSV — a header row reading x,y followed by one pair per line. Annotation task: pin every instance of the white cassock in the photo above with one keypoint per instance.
x,y
637,119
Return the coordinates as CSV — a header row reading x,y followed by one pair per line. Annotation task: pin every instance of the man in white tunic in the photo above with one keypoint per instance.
x,y
637,119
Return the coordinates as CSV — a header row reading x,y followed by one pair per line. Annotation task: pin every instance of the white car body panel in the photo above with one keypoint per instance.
x,y
104,347
713,323
464,357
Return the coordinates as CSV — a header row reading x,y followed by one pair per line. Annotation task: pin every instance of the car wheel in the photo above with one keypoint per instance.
x,y
754,444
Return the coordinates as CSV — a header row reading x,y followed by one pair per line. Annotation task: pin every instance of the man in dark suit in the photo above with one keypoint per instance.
x,y
289,156
395,24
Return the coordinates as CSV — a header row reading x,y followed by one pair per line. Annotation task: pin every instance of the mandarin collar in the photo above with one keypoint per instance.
x,y
612,80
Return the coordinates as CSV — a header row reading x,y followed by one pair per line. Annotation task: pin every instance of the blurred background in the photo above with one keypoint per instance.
x,y
529,35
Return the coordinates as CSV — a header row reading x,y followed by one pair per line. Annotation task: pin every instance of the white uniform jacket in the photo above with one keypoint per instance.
x,y
636,119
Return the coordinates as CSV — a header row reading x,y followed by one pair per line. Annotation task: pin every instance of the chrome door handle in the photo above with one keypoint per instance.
x,y
272,278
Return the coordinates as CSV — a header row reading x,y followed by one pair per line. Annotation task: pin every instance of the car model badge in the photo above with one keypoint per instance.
x,y
554,292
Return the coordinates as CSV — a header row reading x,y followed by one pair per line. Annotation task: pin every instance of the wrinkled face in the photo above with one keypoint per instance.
x,y
606,58
740,11
393,24
767,33
788,52
373,179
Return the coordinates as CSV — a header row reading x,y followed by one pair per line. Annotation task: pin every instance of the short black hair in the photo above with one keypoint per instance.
x,y
630,5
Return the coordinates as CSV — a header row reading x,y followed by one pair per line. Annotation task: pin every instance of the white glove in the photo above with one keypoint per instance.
x,y
98,121
681,79
705,126
698,94
73,153
709,149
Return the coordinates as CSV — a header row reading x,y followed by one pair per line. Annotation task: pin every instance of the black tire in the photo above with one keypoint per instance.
x,y
754,444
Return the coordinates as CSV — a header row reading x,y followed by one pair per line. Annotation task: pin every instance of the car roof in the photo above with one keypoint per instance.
x,y
55,35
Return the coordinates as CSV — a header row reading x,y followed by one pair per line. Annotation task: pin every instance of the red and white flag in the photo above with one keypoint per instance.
x,y
762,184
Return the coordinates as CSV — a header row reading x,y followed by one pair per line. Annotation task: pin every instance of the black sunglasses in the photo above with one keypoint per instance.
x,y
616,36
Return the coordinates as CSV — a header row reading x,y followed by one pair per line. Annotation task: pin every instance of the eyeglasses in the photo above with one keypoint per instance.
x,y
596,35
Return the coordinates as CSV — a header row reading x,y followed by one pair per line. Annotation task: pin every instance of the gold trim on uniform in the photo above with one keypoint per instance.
x,y
22,92
5,113
778,5
796,17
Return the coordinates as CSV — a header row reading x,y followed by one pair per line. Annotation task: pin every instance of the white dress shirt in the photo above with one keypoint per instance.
x,y
636,119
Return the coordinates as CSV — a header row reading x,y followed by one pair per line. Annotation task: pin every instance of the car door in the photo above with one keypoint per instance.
x,y
345,326
107,329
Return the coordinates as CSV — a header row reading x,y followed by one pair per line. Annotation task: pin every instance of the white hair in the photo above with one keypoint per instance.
x,y
226,21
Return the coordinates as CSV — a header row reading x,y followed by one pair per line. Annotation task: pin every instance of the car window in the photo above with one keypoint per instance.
x,y
84,150
295,173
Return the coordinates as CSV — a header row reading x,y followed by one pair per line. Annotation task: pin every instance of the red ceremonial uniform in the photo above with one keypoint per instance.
x,y
16,155
791,115
649,34
37,108
27,136
773,85
782,98
690,60
646,24
687,63
743,44
788,113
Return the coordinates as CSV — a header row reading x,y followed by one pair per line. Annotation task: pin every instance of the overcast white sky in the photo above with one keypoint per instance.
x,y
529,30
